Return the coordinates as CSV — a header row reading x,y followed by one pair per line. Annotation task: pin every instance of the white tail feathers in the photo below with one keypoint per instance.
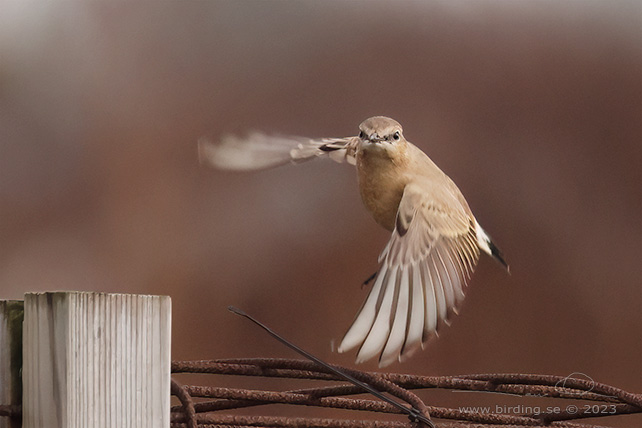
x,y
483,240
486,244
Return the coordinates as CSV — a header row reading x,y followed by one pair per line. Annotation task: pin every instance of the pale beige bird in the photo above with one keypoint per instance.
x,y
435,242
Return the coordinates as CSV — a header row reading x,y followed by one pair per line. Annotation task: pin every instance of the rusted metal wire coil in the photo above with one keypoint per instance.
x,y
208,413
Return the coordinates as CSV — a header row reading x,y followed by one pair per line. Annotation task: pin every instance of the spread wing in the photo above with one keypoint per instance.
x,y
424,270
260,151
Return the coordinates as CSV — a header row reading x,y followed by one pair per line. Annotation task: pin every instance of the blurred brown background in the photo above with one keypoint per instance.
x,y
534,108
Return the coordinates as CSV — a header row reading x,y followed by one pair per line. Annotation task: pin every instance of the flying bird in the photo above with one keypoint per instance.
x,y
436,240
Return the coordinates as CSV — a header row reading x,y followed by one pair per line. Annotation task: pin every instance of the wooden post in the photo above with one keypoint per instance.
x,y
11,313
96,360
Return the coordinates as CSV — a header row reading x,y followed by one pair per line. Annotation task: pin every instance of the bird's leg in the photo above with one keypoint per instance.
x,y
369,280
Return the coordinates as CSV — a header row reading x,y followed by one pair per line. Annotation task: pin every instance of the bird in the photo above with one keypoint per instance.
x,y
435,241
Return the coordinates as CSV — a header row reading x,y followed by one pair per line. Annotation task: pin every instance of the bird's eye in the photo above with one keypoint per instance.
x,y
362,135
396,136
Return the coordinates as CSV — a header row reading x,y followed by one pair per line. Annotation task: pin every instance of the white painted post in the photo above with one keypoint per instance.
x,y
11,312
96,360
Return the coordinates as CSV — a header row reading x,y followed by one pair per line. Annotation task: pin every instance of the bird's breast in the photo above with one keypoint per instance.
x,y
381,184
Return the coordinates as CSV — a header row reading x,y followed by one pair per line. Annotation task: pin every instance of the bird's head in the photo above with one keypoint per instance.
x,y
382,134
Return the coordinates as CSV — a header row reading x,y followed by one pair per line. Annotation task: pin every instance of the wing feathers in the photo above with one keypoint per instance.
x,y
424,270
260,151
414,335
431,314
440,296
363,323
397,335
380,330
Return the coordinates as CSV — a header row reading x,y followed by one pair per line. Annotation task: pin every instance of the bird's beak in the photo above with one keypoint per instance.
x,y
374,138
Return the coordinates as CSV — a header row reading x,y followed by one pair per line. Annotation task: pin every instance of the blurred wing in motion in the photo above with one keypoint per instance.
x,y
260,151
421,282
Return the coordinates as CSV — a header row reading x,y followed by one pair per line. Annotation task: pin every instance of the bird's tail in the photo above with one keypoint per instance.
x,y
487,246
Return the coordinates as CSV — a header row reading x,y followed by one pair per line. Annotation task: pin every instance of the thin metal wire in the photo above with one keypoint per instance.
x,y
416,411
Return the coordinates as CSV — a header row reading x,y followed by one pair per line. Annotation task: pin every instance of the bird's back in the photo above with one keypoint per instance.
x,y
437,185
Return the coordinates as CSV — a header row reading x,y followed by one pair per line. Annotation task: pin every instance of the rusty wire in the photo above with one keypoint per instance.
x,y
209,413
